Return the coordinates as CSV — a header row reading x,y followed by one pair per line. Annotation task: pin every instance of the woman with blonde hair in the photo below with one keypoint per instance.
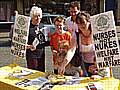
x,y
35,53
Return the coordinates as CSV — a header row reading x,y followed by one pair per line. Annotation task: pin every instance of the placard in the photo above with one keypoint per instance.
x,y
105,40
20,36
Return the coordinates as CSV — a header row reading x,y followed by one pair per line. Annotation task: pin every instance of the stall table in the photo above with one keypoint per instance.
x,y
107,84
9,83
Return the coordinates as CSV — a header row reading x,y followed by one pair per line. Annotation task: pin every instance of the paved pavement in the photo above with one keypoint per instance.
x,y
6,58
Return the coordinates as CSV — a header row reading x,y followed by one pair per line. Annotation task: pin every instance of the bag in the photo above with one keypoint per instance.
x,y
76,60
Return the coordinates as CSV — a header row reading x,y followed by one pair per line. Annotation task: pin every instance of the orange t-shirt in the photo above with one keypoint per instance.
x,y
60,42
56,38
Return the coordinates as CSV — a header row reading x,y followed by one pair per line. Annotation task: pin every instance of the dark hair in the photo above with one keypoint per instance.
x,y
75,4
59,19
79,17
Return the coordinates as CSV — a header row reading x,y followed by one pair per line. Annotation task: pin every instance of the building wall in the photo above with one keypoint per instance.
x,y
91,6
20,6
102,6
118,13
23,6
116,8
6,9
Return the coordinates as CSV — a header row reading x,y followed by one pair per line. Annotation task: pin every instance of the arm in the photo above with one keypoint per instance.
x,y
71,50
66,60
68,56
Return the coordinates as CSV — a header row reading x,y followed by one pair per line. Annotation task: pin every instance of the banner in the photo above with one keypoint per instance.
x,y
105,40
20,36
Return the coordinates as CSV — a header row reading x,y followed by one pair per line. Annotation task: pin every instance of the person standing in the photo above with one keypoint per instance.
x,y
12,19
63,48
85,40
35,53
72,27
15,13
71,20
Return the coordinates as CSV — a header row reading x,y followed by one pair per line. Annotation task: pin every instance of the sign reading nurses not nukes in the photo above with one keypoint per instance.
x,y
20,36
105,40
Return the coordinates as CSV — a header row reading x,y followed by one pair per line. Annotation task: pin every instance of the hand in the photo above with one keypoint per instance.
x,y
31,47
61,70
54,52
93,69
28,46
70,30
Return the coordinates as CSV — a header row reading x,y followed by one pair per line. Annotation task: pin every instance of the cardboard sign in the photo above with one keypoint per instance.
x,y
20,36
105,40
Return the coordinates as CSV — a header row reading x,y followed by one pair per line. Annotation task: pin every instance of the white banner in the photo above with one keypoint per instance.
x,y
105,40
20,36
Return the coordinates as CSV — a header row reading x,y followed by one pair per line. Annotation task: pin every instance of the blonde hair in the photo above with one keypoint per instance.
x,y
35,11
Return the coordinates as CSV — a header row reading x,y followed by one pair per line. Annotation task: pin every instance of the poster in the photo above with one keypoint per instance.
x,y
20,36
105,40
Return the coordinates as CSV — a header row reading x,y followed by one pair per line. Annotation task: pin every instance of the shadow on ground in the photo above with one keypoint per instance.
x,y
5,43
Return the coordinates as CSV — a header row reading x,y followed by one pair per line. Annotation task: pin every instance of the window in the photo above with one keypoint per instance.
x,y
6,10
45,20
